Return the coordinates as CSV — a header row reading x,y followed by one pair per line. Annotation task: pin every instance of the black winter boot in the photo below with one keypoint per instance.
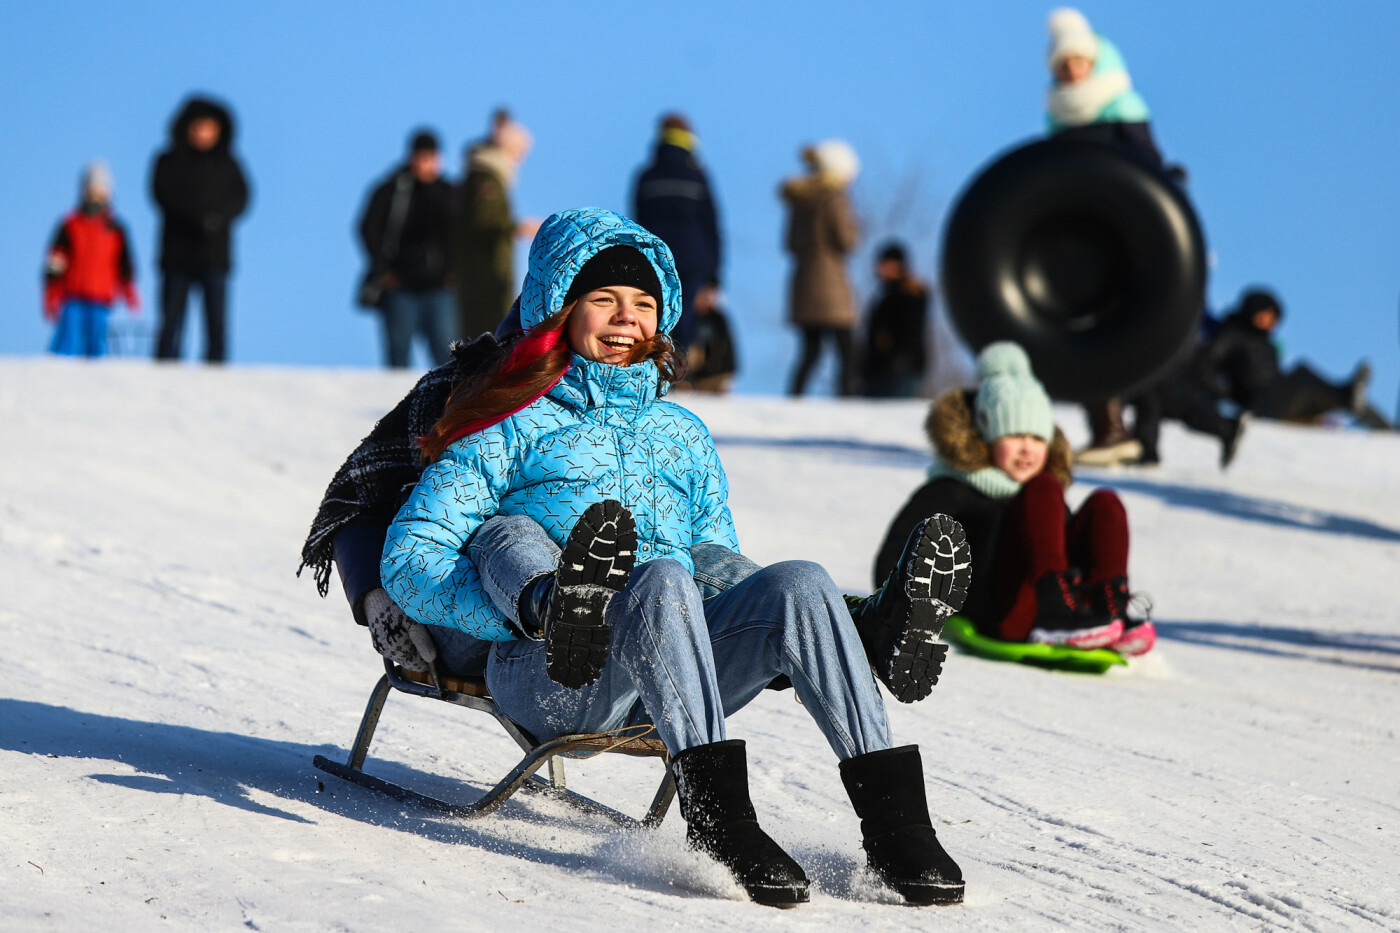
x,y
569,605
712,782
900,622
887,791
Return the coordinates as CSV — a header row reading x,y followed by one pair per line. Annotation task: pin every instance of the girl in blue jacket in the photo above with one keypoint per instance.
x,y
557,519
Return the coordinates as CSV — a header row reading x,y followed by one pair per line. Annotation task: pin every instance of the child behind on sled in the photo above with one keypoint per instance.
x,y
1001,469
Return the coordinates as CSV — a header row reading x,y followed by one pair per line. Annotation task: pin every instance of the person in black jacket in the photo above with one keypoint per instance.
x,y
895,329
672,199
200,190
406,232
1239,365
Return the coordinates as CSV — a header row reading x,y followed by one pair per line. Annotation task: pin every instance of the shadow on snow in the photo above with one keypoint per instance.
x,y
229,769
1250,508
888,454
1348,649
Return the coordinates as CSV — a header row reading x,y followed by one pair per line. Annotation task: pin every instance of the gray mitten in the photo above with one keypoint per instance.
x,y
397,637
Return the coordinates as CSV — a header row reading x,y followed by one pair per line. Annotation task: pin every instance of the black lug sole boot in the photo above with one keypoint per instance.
x,y
712,782
900,624
593,568
887,790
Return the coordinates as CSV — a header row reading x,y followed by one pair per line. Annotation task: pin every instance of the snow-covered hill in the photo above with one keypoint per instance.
x,y
165,682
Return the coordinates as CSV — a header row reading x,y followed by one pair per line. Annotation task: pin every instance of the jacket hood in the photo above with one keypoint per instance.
x,y
952,428
196,108
569,239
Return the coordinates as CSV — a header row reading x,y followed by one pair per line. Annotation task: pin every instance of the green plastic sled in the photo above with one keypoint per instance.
x,y
961,632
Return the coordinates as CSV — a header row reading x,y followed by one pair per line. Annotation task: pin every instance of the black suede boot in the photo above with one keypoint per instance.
x,y
712,782
887,791
900,622
568,608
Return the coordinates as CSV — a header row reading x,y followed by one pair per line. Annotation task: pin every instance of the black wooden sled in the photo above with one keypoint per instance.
x,y
471,692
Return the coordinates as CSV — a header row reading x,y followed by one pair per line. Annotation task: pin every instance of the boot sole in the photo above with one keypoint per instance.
x,y
936,585
594,567
778,896
923,894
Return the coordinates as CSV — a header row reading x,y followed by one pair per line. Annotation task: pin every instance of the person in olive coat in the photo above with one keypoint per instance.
x,y
822,231
486,227
200,190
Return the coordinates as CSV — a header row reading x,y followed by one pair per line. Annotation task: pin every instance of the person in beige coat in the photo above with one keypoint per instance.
x,y
821,234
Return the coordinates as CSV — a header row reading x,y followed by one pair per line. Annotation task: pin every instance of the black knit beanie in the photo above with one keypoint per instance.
x,y
895,251
616,265
1260,299
423,141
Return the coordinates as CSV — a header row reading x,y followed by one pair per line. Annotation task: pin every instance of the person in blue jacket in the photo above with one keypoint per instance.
x,y
557,519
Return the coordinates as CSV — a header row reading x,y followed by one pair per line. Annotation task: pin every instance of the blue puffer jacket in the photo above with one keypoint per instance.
x,y
601,433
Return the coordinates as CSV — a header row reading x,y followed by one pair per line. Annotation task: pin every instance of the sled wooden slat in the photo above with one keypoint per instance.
x,y
472,693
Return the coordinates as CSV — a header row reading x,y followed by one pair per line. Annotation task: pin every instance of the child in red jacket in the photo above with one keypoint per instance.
x,y
87,268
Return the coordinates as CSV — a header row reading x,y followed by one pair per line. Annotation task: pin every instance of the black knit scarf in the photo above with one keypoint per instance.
x,y
377,474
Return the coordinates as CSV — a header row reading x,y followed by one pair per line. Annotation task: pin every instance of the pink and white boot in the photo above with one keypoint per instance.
x,y
1113,597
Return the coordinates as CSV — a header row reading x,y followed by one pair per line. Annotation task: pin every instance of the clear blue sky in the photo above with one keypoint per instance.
x,y
1286,114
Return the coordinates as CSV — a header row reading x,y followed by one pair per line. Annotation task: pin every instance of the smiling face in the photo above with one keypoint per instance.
x,y
607,323
1019,456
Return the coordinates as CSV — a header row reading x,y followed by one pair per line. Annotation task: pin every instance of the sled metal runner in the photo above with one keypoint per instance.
x,y
471,692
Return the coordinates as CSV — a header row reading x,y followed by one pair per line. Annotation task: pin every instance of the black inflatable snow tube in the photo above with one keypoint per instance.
x,y
1090,259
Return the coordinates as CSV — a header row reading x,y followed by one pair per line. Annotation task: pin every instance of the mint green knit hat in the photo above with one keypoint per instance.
x,y
1010,400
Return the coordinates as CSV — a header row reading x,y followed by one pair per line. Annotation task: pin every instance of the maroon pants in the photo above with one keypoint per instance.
x,y
1039,535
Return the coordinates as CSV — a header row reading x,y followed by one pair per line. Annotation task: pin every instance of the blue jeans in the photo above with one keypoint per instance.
x,y
82,329
431,314
682,662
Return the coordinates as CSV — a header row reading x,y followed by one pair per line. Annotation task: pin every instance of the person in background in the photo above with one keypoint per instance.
x,y
200,189
1001,470
406,231
486,226
822,231
712,358
88,266
1091,98
1238,367
896,329
671,198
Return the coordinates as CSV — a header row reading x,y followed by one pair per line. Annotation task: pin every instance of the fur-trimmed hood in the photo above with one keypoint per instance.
x,y
953,433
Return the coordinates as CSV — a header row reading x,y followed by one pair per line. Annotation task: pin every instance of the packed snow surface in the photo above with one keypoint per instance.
x,y
166,681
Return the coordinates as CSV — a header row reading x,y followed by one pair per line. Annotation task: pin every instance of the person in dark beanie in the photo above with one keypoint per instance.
x,y
1241,361
713,356
406,231
672,198
896,329
200,190
1238,367
558,516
